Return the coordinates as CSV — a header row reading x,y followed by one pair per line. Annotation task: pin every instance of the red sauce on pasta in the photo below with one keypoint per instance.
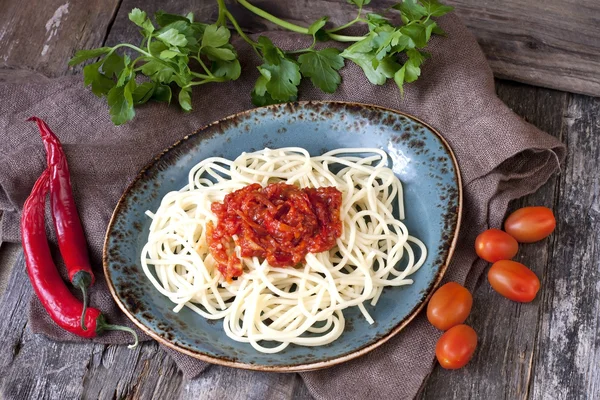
x,y
280,223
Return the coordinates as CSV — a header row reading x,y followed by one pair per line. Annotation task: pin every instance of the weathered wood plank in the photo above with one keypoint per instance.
x,y
8,257
508,332
552,43
32,366
568,345
118,372
42,36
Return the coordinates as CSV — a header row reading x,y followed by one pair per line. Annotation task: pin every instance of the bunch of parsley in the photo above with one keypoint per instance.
x,y
178,51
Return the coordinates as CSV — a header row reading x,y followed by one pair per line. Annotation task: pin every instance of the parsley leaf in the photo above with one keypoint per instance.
x,y
215,36
127,71
101,84
260,96
280,75
270,53
227,69
139,18
365,61
162,93
143,92
185,99
158,72
113,64
219,53
83,55
359,3
435,9
285,78
321,67
164,19
128,91
317,31
410,10
172,37
120,110
399,79
215,44
417,33
376,20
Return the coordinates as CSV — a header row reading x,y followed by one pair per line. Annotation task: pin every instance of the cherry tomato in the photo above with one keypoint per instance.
x,y
456,347
449,306
514,281
494,245
530,224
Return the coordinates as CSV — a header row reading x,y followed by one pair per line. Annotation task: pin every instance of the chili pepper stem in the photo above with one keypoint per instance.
x,y
82,286
102,325
83,280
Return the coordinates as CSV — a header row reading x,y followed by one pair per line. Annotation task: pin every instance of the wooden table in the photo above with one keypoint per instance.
x,y
547,349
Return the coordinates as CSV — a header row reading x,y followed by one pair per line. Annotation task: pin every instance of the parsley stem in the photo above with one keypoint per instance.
x,y
203,66
133,48
241,32
196,74
300,51
135,61
348,24
207,80
344,38
277,21
222,20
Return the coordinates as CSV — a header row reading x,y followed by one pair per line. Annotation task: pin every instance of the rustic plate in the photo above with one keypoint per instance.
x,y
433,196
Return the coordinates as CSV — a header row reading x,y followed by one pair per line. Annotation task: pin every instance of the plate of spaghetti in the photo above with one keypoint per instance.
x,y
286,238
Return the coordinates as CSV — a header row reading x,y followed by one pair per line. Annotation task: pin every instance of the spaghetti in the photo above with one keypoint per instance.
x,y
272,307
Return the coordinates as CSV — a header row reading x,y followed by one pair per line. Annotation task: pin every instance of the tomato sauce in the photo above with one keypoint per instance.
x,y
280,223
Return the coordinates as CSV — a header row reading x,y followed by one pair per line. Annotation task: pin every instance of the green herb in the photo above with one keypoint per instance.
x,y
178,52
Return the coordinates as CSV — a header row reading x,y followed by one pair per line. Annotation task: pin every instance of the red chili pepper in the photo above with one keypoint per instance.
x,y
71,239
64,308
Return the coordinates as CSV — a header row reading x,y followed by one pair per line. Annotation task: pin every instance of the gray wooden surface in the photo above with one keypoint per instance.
x,y
548,349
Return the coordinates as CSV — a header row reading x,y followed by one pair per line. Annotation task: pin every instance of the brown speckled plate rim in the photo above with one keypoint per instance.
x,y
305,366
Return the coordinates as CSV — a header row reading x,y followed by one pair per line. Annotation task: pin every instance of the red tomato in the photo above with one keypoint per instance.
x,y
494,245
514,281
456,347
530,224
449,306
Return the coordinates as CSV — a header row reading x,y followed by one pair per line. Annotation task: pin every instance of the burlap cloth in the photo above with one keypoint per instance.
x,y
501,158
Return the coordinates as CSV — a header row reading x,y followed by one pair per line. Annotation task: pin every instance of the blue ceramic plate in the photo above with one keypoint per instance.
x,y
433,196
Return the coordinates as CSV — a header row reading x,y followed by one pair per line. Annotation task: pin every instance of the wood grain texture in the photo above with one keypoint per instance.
x,y
553,43
43,35
568,346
